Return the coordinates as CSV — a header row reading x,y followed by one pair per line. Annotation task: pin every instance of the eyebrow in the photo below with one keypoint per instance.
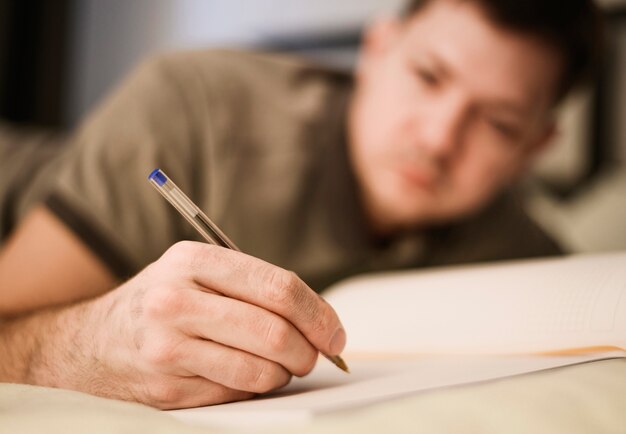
x,y
443,67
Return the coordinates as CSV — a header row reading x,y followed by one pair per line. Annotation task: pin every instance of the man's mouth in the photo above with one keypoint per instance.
x,y
415,176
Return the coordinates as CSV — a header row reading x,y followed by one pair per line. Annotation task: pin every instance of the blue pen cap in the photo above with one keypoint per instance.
x,y
158,176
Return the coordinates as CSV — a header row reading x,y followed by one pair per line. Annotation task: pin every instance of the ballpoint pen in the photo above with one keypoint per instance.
x,y
209,230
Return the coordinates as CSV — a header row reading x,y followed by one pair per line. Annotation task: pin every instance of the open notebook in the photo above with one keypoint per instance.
x,y
419,330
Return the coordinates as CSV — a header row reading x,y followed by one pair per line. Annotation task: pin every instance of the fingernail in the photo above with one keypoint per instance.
x,y
338,341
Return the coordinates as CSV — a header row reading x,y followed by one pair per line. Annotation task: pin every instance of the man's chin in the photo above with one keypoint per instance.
x,y
394,213
393,204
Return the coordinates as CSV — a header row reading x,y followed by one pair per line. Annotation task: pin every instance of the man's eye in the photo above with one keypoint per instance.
x,y
427,76
504,128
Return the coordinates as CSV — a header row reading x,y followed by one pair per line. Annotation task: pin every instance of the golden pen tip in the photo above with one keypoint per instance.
x,y
339,362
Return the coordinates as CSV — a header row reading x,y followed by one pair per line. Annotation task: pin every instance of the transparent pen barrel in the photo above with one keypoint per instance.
x,y
194,215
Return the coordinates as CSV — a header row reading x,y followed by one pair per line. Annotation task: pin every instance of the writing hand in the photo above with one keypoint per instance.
x,y
204,325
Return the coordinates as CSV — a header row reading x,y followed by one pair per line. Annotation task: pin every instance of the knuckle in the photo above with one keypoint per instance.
x,y
237,373
257,375
277,335
189,256
196,257
180,252
165,394
320,318
161,353
308,361
283,287
163,302
206,254
222,394
268,376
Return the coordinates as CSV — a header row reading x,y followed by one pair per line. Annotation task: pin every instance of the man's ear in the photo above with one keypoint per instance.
x,y
378,38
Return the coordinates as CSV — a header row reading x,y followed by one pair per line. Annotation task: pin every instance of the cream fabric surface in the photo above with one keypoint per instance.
x,y
588,398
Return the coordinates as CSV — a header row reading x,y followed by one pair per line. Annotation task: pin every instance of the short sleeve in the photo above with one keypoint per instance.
x,y
100,190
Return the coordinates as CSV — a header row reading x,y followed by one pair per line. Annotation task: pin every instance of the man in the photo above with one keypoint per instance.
x,y
407,168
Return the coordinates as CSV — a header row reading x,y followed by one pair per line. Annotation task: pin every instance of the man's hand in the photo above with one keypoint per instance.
x,y
202,325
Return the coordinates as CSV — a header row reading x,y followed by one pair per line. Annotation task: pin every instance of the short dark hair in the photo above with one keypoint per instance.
x,y
573,27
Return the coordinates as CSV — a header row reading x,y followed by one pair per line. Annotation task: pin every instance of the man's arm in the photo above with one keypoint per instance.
x,y
201,325
42,265
41,348
45,264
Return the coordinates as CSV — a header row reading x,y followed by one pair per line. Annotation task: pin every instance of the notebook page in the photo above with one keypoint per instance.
x,y
572,303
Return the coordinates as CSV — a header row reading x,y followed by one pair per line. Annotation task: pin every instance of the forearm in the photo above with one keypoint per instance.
x,y
47,348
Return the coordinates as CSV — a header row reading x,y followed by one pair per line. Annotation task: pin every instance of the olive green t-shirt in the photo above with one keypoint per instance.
x,y
257,141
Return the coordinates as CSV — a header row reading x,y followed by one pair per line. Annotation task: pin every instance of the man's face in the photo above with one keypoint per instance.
x,y
448,109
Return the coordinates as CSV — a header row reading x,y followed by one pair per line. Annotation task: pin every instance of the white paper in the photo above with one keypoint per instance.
x,y
424,330
329,390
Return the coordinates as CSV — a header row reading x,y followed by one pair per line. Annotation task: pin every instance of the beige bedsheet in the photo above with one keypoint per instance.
x,y
588,398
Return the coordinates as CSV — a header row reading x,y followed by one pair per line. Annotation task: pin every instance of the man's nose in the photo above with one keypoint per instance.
x,y
441,127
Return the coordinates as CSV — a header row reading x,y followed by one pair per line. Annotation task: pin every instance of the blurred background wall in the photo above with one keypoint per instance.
x,y
58,59
113,35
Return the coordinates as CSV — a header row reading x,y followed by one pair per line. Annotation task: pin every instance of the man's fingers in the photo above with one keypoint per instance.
x,y
247,327
232,368
257,282
183,392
